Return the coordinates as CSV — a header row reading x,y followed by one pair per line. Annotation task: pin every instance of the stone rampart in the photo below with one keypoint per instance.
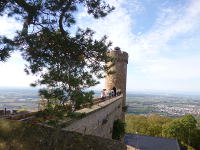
x,y
99,118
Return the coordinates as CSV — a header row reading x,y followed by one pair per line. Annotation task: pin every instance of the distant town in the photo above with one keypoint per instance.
x,y
178,110
166,105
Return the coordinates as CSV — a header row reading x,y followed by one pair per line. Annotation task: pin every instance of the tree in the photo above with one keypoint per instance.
x,y
189,122
136,124
195,139
174,129
66,62
146,125
184,129
155,123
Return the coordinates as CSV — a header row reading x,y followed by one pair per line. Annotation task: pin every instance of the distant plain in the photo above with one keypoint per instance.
x,y
141,103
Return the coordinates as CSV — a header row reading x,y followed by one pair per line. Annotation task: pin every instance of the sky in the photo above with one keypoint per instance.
x,y
161,37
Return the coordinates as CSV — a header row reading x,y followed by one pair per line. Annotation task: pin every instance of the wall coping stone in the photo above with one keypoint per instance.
x,y
100,105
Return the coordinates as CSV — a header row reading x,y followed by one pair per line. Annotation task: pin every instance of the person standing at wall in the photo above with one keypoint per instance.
x,y
103,94
115,91
110,93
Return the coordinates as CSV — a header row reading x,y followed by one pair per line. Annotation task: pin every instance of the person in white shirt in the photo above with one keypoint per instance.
x,y
103,94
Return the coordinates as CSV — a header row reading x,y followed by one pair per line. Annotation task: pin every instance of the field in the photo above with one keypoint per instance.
x,y
20,99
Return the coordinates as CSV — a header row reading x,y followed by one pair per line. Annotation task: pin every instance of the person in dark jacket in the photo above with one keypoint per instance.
x,y
115,91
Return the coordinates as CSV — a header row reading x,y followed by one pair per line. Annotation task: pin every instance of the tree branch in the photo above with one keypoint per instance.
x,y
31,10
61,19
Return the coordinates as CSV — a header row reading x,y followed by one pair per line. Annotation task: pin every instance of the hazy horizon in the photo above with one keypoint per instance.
x,y
156,92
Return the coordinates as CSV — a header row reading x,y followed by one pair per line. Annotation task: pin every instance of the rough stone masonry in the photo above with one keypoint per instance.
x,y
118,79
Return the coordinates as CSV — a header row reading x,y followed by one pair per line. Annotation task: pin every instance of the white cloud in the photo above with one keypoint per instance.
x,y
12,73
174,69
146,50
8,26
170,24
117,25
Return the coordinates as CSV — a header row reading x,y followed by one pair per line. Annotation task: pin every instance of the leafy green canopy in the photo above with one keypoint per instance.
x,y
180,127
65,63
184,128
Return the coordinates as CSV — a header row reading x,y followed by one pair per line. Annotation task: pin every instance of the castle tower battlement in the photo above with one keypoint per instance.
x,y
118,79
119,55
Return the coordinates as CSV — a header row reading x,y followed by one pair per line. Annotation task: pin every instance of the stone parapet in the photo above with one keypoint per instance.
x,y
99,118
119,56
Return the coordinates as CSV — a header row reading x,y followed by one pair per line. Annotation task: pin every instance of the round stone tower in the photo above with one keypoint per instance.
x,y
118,79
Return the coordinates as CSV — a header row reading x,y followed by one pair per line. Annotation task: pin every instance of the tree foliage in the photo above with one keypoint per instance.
x,y
66,61
184,128
151,125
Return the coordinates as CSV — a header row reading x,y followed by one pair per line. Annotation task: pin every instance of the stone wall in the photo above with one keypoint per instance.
x,y
99,118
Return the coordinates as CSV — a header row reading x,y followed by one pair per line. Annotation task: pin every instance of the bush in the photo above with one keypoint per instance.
x,y
118,129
